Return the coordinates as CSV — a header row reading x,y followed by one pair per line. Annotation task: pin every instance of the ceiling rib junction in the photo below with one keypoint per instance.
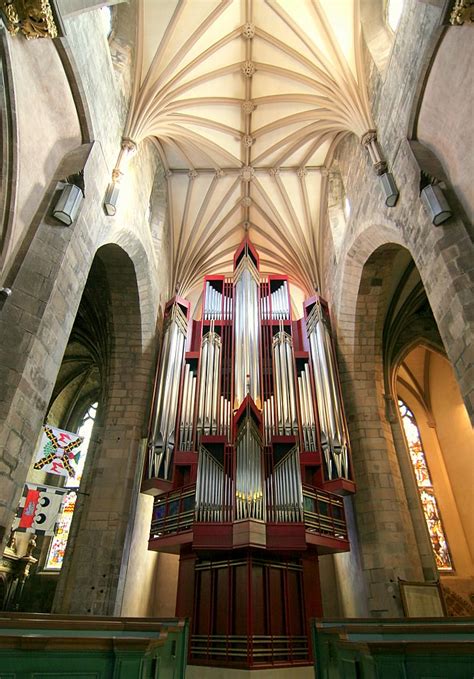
x,y
246,102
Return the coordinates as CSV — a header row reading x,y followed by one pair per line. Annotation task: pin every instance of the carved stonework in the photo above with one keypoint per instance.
x,y
248,69
248,107
246,201
369,140
248,31
247,140
192,174
247,173
462,11
34,18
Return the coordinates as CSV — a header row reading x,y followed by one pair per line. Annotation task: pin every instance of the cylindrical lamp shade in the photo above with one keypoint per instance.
x,y
435,202
111,198
68,204
389,188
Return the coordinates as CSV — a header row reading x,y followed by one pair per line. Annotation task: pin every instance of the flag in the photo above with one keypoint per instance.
x,y
59,452
38,509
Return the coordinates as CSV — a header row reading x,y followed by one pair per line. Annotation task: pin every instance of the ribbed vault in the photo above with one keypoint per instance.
x,y
246,101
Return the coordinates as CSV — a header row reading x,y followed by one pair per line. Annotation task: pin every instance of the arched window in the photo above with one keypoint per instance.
x,y
393,14
57,547
425,489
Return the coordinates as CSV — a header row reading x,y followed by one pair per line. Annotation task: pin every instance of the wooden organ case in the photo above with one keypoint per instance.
x,y
248,457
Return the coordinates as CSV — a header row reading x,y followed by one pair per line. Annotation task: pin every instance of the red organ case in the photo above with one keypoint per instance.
x,y
248,457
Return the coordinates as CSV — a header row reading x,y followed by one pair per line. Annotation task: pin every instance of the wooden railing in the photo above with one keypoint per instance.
x,y
174,513
323,513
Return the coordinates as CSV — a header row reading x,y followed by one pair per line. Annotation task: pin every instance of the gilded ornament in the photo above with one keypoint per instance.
x,y
462,11
34,18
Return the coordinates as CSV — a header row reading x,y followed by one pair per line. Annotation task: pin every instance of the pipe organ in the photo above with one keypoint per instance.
x,y
248,457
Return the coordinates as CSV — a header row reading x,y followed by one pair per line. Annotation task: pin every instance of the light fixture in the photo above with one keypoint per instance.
x,y
436,204
67,207
389,188
111,198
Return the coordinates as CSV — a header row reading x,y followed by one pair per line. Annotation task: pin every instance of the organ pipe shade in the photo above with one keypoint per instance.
x,y
162,439
246,333
329,406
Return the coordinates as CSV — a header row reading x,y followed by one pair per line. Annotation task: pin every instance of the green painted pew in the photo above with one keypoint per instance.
x,y
40,646
415,648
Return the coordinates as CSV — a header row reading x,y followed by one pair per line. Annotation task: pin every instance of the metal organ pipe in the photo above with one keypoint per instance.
x,y
333,436
162,438
284,384
246,329
209,383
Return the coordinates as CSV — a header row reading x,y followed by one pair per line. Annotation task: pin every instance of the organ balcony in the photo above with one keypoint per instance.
x,y
175,523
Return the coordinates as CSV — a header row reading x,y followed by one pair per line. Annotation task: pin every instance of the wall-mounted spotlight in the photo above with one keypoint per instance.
x,y
435,202
111,198
389,189
70,200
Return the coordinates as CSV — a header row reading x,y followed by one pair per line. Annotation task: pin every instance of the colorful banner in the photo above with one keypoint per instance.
x,y
38,509
59,452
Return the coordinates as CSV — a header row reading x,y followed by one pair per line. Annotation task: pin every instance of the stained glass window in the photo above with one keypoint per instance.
x,y
425,488
54,560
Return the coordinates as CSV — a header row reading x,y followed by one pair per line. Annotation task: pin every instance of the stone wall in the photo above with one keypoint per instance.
x,y
36,320
443,256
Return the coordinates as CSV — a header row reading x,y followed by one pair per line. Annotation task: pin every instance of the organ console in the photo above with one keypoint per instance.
x,y
248,457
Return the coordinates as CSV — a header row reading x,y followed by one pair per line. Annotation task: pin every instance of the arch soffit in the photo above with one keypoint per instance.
x,y
359,249
148,294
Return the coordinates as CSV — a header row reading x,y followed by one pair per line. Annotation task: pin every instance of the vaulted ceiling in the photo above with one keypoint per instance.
x,y
246,101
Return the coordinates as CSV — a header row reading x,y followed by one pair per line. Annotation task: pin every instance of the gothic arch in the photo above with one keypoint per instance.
x,y
103,523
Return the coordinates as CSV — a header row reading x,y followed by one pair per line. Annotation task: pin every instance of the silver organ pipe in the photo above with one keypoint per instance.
x,y
249,496
285,490
307,411
333,434
162,438
209,383
246,329
212,488
187,409
280,310
214,304
285,384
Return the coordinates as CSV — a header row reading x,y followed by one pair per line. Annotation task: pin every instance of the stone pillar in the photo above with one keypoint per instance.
x,y
386,537
91,580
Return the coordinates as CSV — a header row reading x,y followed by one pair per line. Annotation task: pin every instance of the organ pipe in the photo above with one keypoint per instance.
x,y
162,439
331,420
246,333
246,349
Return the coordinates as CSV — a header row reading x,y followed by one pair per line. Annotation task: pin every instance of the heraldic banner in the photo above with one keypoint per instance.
x,y
60,452
38,509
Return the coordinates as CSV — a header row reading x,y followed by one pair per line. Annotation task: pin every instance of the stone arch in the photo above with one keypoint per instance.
x,y
102,526
385,534
424,380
